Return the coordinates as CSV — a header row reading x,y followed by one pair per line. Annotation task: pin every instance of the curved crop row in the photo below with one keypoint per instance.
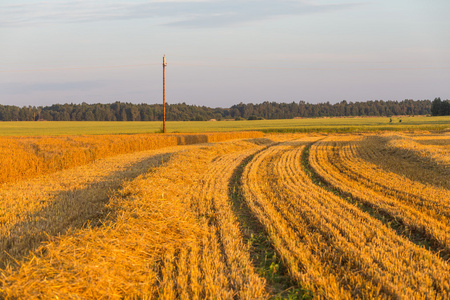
x,y
423,208
349,156
330,246
225,263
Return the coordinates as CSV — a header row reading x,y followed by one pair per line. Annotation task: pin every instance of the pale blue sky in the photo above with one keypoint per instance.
x,y
220,53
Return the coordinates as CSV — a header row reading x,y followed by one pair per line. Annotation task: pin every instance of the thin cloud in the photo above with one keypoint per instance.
x,y
185,13
236,12
17,88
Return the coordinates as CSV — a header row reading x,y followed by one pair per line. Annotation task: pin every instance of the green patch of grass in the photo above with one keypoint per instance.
x,y
292,125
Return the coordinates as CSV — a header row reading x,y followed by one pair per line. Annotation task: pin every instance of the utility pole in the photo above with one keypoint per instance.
x,y
164,93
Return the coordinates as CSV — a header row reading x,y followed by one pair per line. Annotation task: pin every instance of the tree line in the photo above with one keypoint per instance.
x,y
440,108
119,111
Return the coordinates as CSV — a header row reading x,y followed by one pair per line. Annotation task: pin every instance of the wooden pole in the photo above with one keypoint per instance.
x,y
164,94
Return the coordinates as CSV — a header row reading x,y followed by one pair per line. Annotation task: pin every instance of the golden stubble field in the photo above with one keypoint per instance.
x,y
327,216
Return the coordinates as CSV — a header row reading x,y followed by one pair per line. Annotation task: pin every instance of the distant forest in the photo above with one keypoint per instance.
x,y
119,111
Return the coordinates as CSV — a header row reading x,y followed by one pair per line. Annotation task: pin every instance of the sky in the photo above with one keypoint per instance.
x,y
223,52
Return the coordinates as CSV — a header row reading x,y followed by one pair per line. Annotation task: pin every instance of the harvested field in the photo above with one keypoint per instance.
x,y
293,216
26,157
328,243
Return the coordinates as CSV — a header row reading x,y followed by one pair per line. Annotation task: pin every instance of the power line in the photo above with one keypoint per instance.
x,y
227,67
308,68
77,68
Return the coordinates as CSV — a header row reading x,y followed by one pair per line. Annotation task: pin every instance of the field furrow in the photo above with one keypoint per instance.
x,y
330,245
212,206
289,239
422,208
436,201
